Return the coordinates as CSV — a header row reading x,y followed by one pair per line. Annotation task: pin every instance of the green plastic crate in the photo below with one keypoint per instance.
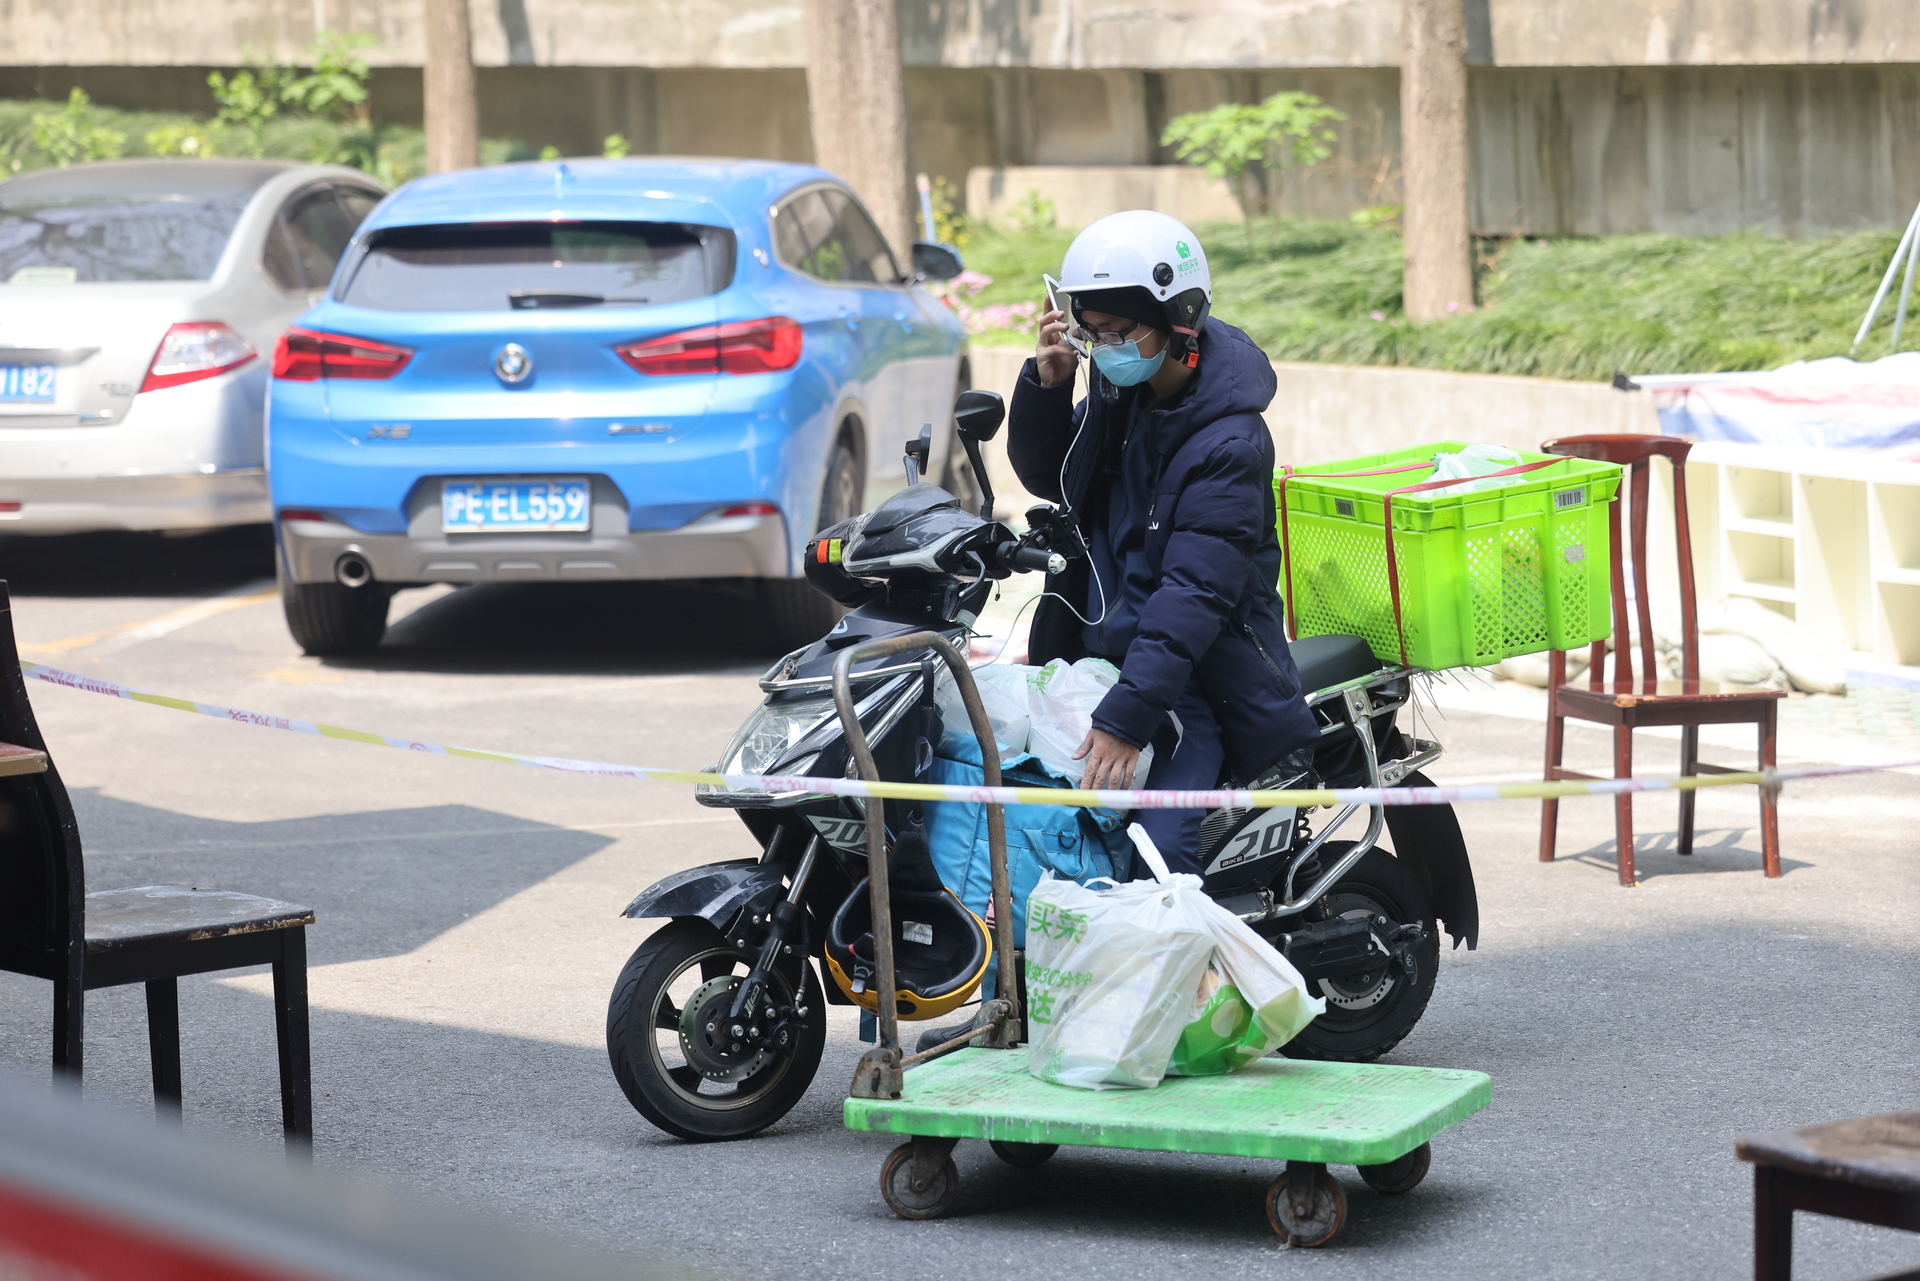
x,y
1483,575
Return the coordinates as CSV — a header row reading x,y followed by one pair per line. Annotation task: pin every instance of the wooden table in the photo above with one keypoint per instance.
x,y
1866,1169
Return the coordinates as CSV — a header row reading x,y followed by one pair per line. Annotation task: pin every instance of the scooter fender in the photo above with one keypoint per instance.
x,y
1427,839
716,893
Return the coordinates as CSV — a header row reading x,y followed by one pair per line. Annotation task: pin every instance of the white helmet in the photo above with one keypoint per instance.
x,y
1144,249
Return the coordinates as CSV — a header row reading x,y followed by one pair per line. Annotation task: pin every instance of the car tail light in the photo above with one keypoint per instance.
x,y
745,347
196,349
303,355
301,513
750,509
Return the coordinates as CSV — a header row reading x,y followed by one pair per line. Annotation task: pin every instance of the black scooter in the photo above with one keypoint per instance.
x,y
717,1022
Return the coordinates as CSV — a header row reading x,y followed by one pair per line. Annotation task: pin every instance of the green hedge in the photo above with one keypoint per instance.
x,y
391,153
1330,291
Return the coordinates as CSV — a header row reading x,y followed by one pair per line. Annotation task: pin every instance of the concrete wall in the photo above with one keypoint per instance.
x,y
1794,150
1080,196
1556,151
1087,34
1562,151
1587,116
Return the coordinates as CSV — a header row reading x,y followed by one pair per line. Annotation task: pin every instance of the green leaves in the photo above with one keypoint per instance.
x,y
1286,131
73,134
264,90
337,85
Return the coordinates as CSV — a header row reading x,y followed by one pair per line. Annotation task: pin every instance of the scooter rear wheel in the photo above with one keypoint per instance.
x,y
687,1089
1367,1015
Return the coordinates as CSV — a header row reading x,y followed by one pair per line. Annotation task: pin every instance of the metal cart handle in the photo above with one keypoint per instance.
x,y
878,1074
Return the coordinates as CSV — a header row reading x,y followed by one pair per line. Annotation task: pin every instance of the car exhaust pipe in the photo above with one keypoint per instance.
x,y
352,570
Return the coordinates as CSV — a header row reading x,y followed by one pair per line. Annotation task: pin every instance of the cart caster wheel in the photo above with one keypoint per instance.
x,y
1310,1220
930,1200
1400,1175
1023,1156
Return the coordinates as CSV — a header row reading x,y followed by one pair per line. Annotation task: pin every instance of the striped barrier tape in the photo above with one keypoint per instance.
x,y
1104,799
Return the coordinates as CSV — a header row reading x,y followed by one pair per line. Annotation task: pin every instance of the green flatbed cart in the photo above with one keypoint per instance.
x,y
1376,1117
1310,1115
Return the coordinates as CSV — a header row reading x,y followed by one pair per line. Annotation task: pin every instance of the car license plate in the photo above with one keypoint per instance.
x,y
515,506
32,383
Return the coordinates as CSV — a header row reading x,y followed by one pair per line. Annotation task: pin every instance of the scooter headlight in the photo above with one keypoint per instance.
x,y
771,732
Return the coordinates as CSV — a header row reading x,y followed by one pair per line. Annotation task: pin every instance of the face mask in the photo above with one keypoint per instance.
x,y
1124,366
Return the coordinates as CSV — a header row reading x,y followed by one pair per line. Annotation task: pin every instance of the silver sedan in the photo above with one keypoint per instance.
x,y
141,302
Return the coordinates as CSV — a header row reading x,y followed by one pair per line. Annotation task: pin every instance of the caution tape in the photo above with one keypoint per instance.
x,y
1104,799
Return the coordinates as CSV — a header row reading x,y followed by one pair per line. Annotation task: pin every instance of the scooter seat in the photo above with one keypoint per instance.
x,y
1324,661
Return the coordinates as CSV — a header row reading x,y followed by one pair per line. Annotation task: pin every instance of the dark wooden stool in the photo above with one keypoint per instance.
x,y
1866,1169
51,928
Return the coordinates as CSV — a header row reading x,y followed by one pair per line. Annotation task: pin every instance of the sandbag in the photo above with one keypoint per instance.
x,y
1733,659
1808,664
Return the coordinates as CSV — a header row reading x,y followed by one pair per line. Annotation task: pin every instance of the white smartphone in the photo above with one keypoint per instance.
x,y
1057,301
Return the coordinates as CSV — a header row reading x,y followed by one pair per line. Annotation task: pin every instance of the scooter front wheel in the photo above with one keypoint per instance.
x,y
672,1059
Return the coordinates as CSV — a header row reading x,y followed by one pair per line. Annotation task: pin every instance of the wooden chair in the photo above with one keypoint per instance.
x,y
51,928
1629,705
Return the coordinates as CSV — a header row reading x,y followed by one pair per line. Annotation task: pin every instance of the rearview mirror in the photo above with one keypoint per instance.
x,y
978,414
936,262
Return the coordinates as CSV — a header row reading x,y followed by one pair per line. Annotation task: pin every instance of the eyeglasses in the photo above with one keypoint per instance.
x,y
1102,337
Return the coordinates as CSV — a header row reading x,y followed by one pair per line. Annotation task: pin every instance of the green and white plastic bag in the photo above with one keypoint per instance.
x,y
1137,982
1250,1002
1231,1025
1110,978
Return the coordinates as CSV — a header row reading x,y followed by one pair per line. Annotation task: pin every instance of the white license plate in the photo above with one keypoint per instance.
x,y
515,506
26,383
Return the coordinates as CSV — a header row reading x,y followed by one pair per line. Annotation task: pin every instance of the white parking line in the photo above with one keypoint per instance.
x,y
116,639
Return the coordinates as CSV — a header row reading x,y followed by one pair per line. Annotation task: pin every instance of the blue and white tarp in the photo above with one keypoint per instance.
x,y
1834,403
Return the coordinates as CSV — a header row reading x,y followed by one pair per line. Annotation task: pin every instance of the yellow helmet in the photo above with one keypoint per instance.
x,y
940,949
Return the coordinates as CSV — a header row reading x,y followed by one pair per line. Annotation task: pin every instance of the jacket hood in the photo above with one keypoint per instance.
x,y
1234,377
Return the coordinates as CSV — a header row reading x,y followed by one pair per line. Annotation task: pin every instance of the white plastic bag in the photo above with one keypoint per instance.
x,y
1478,461
1250,1002
1003,692
1061,699
1276,996
1111,976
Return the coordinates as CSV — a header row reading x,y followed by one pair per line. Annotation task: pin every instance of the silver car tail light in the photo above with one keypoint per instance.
x,y
196,349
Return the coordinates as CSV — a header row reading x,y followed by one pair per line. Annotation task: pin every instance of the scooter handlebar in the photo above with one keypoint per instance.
x,y
1036,559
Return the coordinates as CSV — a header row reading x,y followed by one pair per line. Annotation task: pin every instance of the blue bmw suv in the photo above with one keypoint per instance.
x,y
600,369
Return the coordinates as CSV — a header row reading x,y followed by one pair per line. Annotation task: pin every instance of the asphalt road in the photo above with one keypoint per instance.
x,y
469,932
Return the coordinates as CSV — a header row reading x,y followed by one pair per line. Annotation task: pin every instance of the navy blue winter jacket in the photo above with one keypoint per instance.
x,y
1214,617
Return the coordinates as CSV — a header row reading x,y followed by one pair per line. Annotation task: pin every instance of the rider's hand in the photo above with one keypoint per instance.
x,y
1054,360
1110,761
